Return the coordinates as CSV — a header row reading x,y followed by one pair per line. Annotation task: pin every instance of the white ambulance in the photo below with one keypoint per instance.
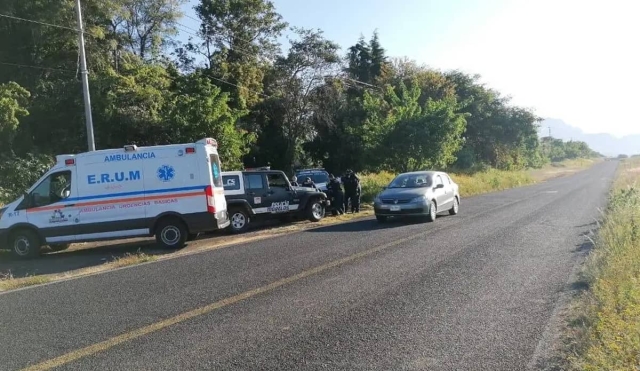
x,y
173,192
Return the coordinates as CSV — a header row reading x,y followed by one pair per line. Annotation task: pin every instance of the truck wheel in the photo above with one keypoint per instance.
x,y
171,233
25,244
239,220
315,211
59,247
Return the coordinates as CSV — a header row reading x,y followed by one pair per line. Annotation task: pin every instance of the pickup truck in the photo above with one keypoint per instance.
x,y
267,194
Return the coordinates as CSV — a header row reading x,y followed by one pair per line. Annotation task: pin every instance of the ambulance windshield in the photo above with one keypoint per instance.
x,y
216,170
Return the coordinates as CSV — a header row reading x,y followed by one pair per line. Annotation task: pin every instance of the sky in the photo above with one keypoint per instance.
x,y
573,60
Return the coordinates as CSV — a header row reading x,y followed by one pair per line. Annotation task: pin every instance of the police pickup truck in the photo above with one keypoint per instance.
x,y
267,194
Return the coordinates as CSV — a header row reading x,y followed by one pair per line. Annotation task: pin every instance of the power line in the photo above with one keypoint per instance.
x,y
38,22
37,67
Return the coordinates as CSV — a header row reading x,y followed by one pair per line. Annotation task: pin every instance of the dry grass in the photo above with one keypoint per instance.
x,y
485,181
130,259
564,168
490,181
604,330
8,282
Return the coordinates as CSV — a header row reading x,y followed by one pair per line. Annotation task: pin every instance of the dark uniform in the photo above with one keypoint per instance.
x,y
309,183
336,192
352,190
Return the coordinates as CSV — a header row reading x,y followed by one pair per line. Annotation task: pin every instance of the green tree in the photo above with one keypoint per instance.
x,y
13,100
199,109
146,26
292,85
239,38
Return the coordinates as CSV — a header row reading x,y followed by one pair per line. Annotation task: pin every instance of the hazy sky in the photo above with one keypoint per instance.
x,y
573,60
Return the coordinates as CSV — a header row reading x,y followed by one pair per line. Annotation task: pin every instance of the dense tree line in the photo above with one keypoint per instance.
x,y
308,103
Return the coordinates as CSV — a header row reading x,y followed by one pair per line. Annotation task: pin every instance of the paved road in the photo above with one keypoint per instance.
x,y
470,292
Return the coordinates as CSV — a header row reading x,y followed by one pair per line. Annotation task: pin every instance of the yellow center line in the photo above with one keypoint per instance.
x,y
157,326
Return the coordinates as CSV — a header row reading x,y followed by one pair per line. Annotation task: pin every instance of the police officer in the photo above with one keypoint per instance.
x,y
352,190
294,181
336,192
309,183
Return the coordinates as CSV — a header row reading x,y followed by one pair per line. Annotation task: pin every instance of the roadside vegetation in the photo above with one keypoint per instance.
x,y
604,332
8,282
308,103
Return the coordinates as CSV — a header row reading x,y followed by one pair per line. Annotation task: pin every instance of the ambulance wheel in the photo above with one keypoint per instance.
x,y
315,210
171,233
239,220
59,247
25,244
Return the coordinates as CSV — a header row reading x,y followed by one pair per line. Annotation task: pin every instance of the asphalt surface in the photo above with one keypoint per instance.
x,y
469,292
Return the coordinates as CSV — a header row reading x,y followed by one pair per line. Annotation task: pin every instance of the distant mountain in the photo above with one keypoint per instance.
x,y
605,144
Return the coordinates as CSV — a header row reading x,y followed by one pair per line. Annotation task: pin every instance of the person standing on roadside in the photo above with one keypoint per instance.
x,y
352,191
337,194
355,202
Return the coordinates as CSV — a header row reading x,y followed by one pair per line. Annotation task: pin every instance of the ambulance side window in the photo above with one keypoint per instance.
x,y
216,171
55,188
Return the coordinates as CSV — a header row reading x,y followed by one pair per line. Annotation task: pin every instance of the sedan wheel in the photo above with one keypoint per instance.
x,y
433,212
455,208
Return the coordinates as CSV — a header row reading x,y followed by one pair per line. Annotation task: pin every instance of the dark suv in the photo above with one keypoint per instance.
x,y
267,194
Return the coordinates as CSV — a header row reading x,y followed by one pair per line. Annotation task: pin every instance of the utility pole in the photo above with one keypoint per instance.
x,y
549,126
85,80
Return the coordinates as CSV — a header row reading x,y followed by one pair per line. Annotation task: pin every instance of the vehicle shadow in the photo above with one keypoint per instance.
x,y
86,256
372,224
95,254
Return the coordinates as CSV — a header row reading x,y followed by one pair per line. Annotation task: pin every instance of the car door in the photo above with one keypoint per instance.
x,y
255,188
51,207
279,196
448,186
440,192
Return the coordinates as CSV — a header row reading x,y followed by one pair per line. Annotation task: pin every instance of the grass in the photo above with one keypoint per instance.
x,y
8,282
130,259
604,326
485,181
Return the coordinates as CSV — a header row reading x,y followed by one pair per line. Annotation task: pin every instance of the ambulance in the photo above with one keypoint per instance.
x,y
172,192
